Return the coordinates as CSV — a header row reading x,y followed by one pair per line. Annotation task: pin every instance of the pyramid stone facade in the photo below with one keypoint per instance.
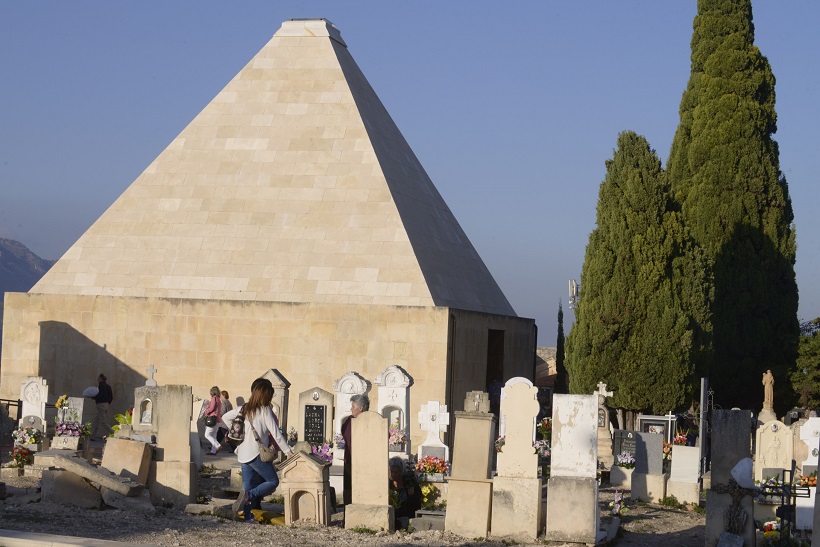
x,y
289,226
292,185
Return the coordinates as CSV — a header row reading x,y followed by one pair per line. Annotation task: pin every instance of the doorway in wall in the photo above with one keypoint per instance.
x,y
495,367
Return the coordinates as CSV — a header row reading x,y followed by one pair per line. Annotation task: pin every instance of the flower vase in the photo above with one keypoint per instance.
x,y
431,477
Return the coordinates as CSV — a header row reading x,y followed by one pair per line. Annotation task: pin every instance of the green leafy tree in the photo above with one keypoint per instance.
x,y
806,375
724,172
645,291
561,379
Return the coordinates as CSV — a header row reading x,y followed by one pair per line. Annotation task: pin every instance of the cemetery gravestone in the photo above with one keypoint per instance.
x,y
315,416
33,395
371,503
394,400
573,483
434,419
281,395
477,401
729,508
516,512
774,447
684,478
810,435
648,479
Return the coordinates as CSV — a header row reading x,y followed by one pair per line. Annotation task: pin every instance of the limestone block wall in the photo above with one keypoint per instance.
x,y
69,339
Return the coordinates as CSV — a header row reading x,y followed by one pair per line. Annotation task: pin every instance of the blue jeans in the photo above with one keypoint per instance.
x,y
259,479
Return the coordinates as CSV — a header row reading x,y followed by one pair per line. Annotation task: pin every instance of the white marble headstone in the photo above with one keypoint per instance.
x,y
34,394
434,419
574,436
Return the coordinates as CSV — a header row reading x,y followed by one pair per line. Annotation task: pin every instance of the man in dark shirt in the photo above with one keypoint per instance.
x,y
103,399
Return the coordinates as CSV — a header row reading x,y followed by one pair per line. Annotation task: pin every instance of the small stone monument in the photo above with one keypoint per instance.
x,y
648,478
684,477
306,488
516,511
477,401
394,401
150,381
605,457
434,419
371,501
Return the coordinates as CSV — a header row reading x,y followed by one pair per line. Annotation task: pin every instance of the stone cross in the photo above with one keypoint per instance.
x,y
150,381
434,419
602,393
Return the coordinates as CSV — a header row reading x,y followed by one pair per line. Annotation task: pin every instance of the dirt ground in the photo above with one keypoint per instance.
x,y
641,525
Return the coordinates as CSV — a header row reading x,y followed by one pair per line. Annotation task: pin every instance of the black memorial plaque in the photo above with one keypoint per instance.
x,y
315,424
624,441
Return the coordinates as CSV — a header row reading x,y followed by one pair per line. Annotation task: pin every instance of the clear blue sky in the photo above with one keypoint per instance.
x,y
511,107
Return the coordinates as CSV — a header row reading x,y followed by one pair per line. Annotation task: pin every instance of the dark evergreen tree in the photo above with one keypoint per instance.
x,y
645,291
724,172
561,379
806,376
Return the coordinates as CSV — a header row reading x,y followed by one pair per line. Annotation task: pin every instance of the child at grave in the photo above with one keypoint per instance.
x,y
405,493
212,418
259,478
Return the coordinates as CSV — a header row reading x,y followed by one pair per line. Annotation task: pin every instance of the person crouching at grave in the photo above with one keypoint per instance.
x,y
358,404
405,493
102,427
212,418
259,479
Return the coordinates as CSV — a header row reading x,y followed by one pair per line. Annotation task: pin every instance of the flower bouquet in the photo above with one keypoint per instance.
x,y
339,441
431,468
27,435
72,429
625,460
499,444
542,447
617,505
21,456
544,429
397,436
325,452
807,480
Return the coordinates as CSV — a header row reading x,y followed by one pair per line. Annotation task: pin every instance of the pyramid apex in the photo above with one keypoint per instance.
x,y
310,28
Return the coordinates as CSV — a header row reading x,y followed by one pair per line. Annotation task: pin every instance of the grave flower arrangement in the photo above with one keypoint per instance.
x,y
21,456
430,464
625,460
667,451
429,495
808,480
499,444
397,436
62,402
324,451
292,436
617,505
680,438
339,441
122,419
27,435
544,429
542,447
72,429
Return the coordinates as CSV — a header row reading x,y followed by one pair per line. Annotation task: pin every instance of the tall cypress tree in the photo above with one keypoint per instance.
x,y
635,327
561,380
724,172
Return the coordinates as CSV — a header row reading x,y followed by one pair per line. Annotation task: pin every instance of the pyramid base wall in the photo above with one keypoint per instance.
x,y
70,339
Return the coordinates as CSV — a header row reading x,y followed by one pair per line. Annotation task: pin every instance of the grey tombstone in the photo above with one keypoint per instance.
x,y
649,453
731,441
316,416
624,441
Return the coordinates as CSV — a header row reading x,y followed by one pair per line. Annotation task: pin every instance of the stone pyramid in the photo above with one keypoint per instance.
x,y
292,185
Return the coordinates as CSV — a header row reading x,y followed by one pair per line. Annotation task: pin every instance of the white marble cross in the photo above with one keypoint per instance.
x,y
150,381
434,419
602,393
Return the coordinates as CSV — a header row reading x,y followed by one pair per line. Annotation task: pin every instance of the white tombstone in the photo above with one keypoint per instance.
x,y
573,483
394,399
34,394
150,381
684,477
434,419
809,434
347,386
516,509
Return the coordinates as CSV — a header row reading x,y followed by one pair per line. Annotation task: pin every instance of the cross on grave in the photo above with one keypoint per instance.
x,y
434,419
150,381
602,393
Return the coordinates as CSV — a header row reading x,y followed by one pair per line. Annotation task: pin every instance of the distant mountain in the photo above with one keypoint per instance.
x,y
20,269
